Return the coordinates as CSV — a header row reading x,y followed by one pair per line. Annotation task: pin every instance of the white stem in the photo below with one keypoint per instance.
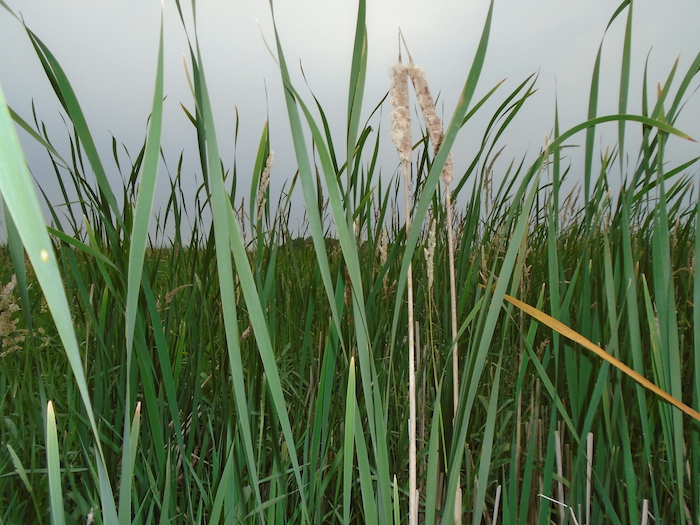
x,y
589,469
560,472
412,477
496,503
453,314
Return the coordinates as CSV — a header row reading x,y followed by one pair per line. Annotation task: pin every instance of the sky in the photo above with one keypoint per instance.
x,y
109,49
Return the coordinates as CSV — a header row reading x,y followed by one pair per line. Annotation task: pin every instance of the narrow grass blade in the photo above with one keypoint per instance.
x,y
137,250
349,443
470,384
369,504
485,459
144,201
130,444
625,83
358,73
433,460
53,466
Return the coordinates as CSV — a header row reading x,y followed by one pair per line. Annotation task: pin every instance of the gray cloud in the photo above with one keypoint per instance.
x,y
108,50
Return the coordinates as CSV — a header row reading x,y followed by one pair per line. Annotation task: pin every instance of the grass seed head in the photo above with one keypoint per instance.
x,y
430,255
264,183
10,335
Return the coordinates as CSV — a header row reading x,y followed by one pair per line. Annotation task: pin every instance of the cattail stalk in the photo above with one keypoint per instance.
x,y
435,132
401,135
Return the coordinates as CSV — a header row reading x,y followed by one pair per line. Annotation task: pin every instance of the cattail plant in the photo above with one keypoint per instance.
x,y
435,133
401,136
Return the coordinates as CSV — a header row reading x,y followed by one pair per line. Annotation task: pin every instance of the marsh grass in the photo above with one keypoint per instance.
x,y
262,378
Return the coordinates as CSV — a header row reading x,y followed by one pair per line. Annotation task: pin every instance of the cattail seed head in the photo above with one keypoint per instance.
x,y
448,171
400,115
432,121
427,105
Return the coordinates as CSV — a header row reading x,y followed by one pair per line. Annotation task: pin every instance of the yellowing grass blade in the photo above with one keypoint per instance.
x,y
578,338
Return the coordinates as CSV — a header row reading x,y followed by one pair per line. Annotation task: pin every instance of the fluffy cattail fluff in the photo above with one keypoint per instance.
x,y
432,121
264,183
400,115
427,105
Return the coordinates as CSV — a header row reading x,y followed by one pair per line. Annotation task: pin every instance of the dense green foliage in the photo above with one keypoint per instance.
x,y
264,379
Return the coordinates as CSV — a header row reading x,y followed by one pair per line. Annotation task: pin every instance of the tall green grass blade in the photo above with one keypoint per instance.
x,y
69,101
593,108
17,188
349,250
53,467
165,507
144,202
265,348
470,383
128,466
625,83
356,89
260,160
431,486
137,251
367,491
668,324
305,171
486,456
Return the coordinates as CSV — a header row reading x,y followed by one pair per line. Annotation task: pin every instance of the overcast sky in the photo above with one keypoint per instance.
x,y
109,48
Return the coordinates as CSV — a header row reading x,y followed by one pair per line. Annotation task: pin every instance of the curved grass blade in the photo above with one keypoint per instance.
x,y
625,83
369,503
307,184
17,188
349,250
69,101
577,338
